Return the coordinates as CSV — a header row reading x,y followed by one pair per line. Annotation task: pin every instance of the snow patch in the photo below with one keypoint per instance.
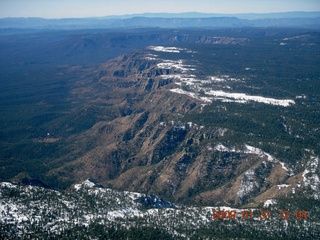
x,y
87,184
245,97
269,202
301,97
283,186
8,185
311,178
222,148
168,64
283,166
190,94
166,49
248,184
224,96
258,151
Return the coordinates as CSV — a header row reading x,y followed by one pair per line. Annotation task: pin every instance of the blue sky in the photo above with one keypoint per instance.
x,y
91,8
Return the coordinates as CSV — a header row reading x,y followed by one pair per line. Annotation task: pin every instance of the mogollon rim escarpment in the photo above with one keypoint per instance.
x,y
161,138
203,117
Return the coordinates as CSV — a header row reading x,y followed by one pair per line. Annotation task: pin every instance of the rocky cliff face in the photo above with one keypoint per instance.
x,y
141,142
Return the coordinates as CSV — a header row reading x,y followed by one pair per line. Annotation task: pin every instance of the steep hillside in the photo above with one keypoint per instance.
x,y
167,131
225,117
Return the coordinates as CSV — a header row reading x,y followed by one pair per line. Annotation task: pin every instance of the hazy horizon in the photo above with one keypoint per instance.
x,y
101,8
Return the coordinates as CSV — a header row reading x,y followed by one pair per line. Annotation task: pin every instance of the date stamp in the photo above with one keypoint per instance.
x,y
259,214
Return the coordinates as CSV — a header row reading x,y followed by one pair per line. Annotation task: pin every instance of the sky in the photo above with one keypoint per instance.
x,y
99,8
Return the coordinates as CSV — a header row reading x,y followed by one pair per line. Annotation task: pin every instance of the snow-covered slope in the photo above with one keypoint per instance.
x,y
39,212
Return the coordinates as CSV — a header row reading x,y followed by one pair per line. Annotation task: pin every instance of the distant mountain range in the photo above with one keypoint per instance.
x,y
171,20
249,16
